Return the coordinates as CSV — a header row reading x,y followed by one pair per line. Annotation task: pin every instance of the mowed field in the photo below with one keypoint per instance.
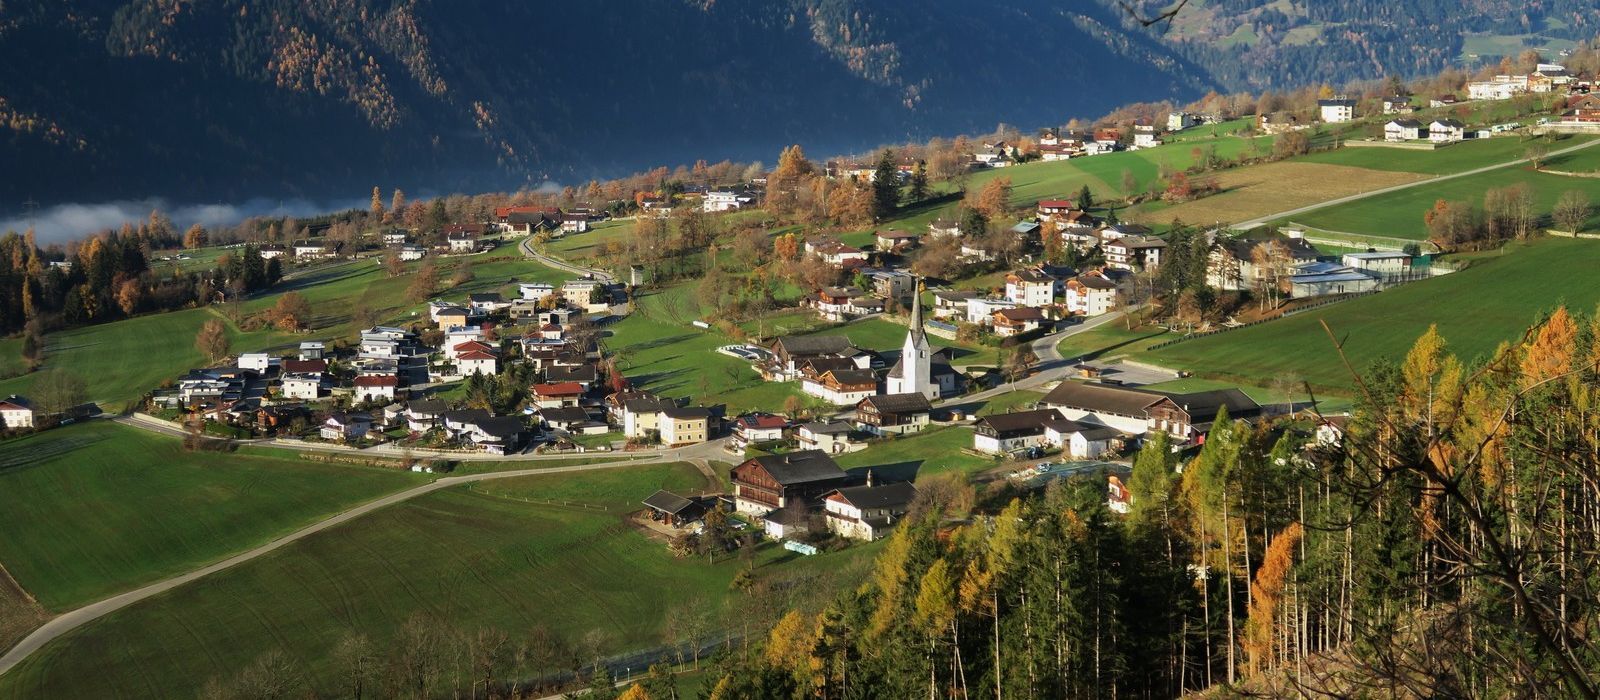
x,y
93,509
1249,193
1399,214
466,559
1495,300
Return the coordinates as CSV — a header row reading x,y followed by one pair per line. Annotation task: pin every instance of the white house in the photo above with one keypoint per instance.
x,y
867,512
1402,130
725,200
476,362
841,387
1336,110
1500,87
16,412
535,291
1003,433
369,389
257,361
832,437
413,252
1031,287
302,386
462,242
1080,441
310,250
574,223
1178,121
1091,294
980,310
1388,263
273,250
1145,136
346,426
1446,131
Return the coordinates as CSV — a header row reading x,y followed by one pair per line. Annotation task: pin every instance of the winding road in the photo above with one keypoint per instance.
x,y
1262,221
73,619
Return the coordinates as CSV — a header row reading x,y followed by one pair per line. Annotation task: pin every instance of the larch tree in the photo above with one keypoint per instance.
x,y
376,208
1266,600
212,340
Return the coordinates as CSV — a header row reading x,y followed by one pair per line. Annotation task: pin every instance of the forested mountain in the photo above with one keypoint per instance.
x,y
224,99
1255,44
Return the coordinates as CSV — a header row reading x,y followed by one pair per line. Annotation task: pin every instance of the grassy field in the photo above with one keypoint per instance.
x,y
472,558
935,450
879,334
1248,193
1399,214
662,351
1450,159
93,509
1476,309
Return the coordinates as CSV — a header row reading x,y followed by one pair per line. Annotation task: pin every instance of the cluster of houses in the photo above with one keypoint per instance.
x,y
1086,420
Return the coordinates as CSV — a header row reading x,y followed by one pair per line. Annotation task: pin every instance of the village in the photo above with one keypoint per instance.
x,y
397,391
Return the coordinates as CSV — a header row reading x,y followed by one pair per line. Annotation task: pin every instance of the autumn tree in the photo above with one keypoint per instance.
x,y
1572,210
376,208
392,263
423,282
291,313
213,341
786,181
129,295
196,237
397,202
994,199
1261,630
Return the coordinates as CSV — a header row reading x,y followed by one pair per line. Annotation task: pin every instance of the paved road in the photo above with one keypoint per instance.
x,y
527,249
1363,195
71,620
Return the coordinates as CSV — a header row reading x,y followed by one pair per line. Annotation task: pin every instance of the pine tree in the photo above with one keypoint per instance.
x,y
885,187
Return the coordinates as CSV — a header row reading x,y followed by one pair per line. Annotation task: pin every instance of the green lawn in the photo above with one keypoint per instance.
x,y
1399,214
1450,159
661,350
470,559
879,334
1584,161
1476,309
935,450
93,509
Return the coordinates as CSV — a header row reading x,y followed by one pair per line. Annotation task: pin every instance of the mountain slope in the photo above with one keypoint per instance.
x,y
226,99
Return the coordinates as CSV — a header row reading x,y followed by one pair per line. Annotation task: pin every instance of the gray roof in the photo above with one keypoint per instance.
x,y
1020,420
1102,397
428,406
501,426
900,403
570,414
814,344
885,496
668,502
800,467
829,428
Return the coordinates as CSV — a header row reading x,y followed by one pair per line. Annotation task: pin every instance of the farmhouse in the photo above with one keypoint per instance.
x,y
832,437
16,412
1016,321
557,395
725,200
769,482
893,414
867,512
841,387
688,425
1080,441
1007,432
789,353
1137,411
1397,104
462,242
893,239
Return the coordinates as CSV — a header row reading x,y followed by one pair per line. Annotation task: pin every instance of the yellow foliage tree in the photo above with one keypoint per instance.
x,y
1266,599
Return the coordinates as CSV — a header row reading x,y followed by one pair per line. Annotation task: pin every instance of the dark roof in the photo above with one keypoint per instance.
x,y
486,296
1408,123
1102,397
466,415
428,406
501,426
668,502
828,364
829,428
1021,420
886,496
814,344
800,467
569,414
1202,406
581,373
853,376
647,405
1244,248
899,403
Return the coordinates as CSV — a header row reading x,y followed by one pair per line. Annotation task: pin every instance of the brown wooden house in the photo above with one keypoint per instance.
x,y
769,482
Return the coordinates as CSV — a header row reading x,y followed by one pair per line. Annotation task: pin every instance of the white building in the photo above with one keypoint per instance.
x,y
1500,87
16,412
302,387
980,310
413,252
867,512
257,361
1091,294
1388,263
1446,131
725,200
535,291
1403,130
913,374
1336,110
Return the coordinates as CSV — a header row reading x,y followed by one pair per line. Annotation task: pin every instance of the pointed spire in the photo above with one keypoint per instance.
x,y
916,305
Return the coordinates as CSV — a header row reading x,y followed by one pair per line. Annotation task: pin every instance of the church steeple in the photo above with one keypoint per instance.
x,y
913,374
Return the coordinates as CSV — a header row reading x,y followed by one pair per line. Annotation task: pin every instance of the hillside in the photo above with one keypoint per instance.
x,y
232,99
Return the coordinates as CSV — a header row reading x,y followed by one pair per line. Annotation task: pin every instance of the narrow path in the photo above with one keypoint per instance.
x,y
1262,221
73,619
527,250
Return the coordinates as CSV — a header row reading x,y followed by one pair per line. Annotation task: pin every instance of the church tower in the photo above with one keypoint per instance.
x,y
913,374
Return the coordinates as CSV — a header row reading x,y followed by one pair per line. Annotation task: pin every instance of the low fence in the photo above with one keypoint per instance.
x,y
1402,145
545,501
1571,234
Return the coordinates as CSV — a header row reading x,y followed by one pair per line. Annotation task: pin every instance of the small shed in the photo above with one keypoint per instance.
x,y
672,509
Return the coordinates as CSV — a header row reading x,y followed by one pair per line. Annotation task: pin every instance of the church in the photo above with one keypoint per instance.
x,y
920,369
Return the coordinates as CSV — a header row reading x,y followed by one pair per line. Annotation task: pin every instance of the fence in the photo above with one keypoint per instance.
x,y
545,501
